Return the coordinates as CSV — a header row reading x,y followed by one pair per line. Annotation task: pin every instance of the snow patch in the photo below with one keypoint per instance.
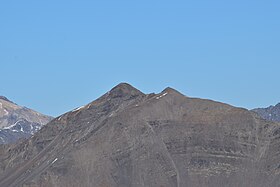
x,y
21,128
6,112
11,126
54,160
161,95
79,108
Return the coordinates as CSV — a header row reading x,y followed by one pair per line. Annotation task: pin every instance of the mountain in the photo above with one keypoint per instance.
x,y
18,122
128,138
271,113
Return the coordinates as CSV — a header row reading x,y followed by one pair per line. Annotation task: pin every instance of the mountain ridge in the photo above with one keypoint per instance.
x,y
127,138
18,122
271,113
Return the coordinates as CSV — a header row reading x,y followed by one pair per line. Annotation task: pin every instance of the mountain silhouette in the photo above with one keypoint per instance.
x,y
128,138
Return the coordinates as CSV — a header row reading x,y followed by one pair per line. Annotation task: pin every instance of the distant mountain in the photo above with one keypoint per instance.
x,y
130,139
271,113
18,122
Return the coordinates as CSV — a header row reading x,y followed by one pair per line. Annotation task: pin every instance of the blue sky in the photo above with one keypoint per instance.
x,y
57,55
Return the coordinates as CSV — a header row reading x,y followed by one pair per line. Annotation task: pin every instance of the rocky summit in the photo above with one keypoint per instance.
x,y
18,122
128,138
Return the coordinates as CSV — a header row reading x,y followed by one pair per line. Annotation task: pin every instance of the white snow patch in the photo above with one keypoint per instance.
x,y
270,115
6,112
79,108
11,126
60,117
161,96
54,160
21,128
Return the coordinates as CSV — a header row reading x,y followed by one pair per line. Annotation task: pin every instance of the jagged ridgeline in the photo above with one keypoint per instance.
x,y
128,138
271,113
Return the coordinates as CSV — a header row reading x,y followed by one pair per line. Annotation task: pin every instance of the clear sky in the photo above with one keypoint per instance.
x,y
56,55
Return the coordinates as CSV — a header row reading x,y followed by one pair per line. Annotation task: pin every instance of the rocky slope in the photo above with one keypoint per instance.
x,y
127,138
271,113
18,122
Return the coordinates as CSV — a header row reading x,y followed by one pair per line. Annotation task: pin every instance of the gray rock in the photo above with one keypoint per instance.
x,y
271,113
127,138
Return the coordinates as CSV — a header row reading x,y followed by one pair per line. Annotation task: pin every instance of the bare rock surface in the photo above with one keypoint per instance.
x,y
127,138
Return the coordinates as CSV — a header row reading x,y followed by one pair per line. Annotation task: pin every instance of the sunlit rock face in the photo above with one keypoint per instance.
x,y
18,122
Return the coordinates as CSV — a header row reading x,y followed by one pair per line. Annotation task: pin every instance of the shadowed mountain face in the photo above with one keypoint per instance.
x,y
127,138
18,122
271,113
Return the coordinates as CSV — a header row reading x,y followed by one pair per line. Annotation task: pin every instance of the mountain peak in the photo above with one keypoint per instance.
x,y
124,89
124,85
18,122
171,91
